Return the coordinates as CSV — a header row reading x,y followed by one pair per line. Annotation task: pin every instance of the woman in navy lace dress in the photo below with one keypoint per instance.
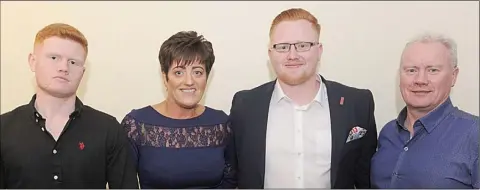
x,y
179,143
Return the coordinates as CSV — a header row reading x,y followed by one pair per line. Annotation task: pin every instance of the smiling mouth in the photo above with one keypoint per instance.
x,y
192,90
421,92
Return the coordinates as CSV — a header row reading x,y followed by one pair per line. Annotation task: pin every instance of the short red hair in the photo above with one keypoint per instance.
x,y
293,15
61,30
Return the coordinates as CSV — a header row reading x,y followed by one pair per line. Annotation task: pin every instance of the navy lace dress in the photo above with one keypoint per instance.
x,y
180,153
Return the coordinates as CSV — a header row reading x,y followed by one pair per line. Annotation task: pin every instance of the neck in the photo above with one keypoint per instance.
x,y
49,106
414,114
175,111
301,94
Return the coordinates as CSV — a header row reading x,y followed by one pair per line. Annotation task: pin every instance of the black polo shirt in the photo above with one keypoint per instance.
x,y
92,151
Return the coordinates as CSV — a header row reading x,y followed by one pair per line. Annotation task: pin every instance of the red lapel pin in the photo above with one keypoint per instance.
x,y
341,100
81,145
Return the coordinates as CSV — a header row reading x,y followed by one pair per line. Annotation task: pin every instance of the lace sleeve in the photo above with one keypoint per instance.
x,y
229,172
133,135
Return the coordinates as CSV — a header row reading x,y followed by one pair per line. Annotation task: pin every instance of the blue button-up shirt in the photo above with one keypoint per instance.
x,y
442,153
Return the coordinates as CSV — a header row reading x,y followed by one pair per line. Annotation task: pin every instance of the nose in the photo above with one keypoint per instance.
x,y
189,80
63,67
292,54
421,78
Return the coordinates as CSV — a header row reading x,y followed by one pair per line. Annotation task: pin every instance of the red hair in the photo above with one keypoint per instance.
x,y
61,30
293,15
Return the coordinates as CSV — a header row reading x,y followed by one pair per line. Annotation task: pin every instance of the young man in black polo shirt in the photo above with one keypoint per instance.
x,y
55,141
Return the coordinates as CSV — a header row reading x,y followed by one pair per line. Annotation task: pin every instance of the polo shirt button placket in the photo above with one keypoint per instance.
x,y
57,166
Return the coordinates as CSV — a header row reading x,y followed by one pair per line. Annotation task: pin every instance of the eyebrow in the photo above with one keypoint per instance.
x,y
426,66
294,42
194,67
198,67
53,54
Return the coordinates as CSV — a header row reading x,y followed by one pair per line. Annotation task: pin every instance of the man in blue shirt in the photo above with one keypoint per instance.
x,y
432,143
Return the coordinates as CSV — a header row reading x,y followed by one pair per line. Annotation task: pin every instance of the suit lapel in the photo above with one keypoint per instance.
x,y
339,125
260,110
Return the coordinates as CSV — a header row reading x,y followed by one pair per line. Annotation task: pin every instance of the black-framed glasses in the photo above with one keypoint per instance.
x,y
299,46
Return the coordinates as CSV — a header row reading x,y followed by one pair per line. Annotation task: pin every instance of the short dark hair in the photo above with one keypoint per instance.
x,y
184,48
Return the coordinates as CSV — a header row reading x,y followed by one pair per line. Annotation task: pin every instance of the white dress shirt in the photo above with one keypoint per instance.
x,y
298,144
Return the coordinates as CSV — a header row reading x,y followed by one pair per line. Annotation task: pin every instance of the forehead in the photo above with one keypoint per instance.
x,y
63,47
294,31
429,53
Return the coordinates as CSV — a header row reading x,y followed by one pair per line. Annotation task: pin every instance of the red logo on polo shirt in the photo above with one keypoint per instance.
x,y
81,145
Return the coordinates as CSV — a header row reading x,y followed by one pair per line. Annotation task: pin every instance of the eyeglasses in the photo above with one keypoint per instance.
x,y
299,46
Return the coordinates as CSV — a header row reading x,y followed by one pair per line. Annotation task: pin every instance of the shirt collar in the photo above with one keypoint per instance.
x,y
432,119
78,107
320,97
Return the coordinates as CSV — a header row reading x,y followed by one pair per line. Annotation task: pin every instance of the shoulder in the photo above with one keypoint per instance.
x,y
108,124
217,115
254,92
358,93
98,116
466,119
388,129
466,126
139,112
216,112
20,110
17,114
360,98
468,123
145,114
99,121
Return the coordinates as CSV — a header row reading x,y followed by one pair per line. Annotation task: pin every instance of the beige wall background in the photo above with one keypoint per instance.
x,y
362,45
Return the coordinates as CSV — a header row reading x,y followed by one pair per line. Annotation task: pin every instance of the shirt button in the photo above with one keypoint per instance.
x,y
55,177
54,151
406,148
